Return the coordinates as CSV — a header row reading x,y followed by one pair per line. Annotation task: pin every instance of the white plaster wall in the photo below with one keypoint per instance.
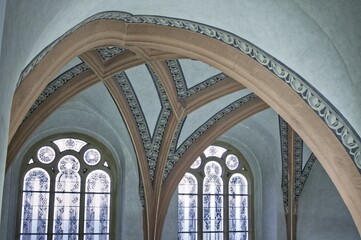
x,y
318,39
261,148
4,110
288,30
322,214
79,115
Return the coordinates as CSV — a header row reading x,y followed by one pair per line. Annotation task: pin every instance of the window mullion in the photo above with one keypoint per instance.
x,y
200,208
82,209
226,208
51,206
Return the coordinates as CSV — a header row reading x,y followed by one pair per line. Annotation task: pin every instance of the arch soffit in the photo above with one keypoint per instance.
x,y
335,143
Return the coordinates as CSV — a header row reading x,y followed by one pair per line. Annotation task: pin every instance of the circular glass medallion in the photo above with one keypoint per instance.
x,y
70,143
68,164
213,168
196,163
232,162
92,156
46,154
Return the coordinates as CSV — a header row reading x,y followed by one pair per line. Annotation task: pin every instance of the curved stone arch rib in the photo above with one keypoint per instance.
x,y
109,52
161,122
300,183
335,150
56,84
203,128
181,85
325,110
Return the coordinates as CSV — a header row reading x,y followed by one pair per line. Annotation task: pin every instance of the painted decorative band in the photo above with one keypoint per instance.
x,y
325,110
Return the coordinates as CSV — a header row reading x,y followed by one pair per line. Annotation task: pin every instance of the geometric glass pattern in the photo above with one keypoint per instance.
x,y
92,156
35,204
197,163
238,207
46,154
69,144
213,197
97,205
215,151
232,162
187,207
66,192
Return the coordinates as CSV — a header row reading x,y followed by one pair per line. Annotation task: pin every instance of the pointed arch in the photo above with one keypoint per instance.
x,y
330,137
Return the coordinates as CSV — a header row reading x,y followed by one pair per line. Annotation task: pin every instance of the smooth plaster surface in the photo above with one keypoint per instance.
x,y
321,41
322,213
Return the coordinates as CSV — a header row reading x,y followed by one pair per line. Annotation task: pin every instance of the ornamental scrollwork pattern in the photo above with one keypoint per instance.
x,y
180,82
202,129
107,53
301,174
151,145
301,181
56,84
325,110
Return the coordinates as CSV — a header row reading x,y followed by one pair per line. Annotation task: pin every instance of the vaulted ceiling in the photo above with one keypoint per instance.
x,y
169,101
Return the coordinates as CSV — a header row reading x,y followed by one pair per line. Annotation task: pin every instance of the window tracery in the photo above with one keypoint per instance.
x,y
214,197
66,191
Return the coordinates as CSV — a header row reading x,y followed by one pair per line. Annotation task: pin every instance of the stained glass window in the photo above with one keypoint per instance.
x,y
213,197
187,207
66,192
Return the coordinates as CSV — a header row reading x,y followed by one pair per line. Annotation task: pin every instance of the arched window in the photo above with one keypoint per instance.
x,y
66,191
214,197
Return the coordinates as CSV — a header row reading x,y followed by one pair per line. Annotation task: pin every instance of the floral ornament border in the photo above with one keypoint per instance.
x,y
56,84
109,52
301,174
325,110
177,154
181,84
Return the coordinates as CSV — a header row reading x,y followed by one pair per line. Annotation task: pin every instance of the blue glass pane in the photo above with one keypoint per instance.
x,y
97,203
238,184
187,236
67,199
35,204
213,236
97,237
33,237
187,207
212,213
238,236
188,184
66,237
238,203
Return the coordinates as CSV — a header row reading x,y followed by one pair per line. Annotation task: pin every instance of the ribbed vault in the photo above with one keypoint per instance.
x,y
110,44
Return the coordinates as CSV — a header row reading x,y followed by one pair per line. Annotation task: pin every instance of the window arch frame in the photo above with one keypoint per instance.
x,y
199,174
85,170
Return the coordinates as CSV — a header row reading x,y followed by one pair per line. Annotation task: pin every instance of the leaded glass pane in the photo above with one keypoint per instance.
x,y
67,199
92,156
213,236
215,151
196,163
69,144
187,207
213,168
97,205
238,236
35,204
238,207
238,184
232,162
68,165
212,199
33,237
46,154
